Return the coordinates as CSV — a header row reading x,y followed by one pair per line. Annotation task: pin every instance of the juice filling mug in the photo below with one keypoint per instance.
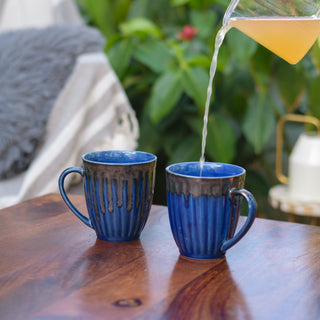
x,y
204,207
118,187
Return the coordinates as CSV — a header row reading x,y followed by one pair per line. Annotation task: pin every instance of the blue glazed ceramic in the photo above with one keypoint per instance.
x,y
204,208
118,187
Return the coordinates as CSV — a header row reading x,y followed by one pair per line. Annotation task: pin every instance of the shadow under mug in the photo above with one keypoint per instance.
x,y
118,187
204,207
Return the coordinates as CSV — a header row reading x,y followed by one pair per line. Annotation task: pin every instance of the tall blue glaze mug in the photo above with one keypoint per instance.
x,y
118,187
204,206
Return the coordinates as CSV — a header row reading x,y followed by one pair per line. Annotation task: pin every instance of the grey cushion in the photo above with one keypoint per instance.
x,y
34,66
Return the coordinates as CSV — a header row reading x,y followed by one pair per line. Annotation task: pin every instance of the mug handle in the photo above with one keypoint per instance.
x,y
64,196
252,208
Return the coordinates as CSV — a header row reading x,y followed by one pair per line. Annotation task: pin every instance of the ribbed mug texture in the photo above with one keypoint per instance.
x,y
118,187
119,198
201,212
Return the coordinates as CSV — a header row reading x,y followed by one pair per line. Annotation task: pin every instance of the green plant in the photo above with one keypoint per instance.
x,y
165,72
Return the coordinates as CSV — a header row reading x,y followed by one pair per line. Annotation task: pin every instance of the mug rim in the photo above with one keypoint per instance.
x,y
241,170
151,157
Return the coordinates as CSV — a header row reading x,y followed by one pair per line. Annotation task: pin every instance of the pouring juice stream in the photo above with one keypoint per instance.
x,y
288,37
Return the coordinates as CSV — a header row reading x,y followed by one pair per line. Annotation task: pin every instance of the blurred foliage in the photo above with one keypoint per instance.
x,y
165,75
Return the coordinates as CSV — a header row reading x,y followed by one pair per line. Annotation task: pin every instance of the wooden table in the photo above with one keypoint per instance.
x,y
53,267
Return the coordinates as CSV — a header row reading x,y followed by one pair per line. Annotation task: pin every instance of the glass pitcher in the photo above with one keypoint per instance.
x,y
287,28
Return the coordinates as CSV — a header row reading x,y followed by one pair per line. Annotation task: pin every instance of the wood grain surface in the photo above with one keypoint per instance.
x,y
53,267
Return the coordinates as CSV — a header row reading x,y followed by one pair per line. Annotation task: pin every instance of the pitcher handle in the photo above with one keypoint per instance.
x,y
64,196
252,209
295,118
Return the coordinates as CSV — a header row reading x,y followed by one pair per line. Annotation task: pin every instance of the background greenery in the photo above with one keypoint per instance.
x,y
166,78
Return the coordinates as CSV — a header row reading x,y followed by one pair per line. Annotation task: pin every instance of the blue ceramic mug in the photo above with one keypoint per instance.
x,y
118,187
204,207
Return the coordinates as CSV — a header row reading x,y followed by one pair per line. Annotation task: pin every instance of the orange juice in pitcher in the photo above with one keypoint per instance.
x,y
288,37
287,28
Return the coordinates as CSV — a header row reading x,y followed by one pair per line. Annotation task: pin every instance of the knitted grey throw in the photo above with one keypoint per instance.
x,y
34,66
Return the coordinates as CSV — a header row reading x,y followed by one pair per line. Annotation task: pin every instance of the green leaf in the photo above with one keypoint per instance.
x,y
257,182
223,60
259,122
204,21
139,8
98,12
221,139
149,138
199,60
242,47
195,123
315,55
189,149
195,82
119,56
154,54
140,27
261,67
120,9
291,84
176,3
314,97
203,4
106,15
165,94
